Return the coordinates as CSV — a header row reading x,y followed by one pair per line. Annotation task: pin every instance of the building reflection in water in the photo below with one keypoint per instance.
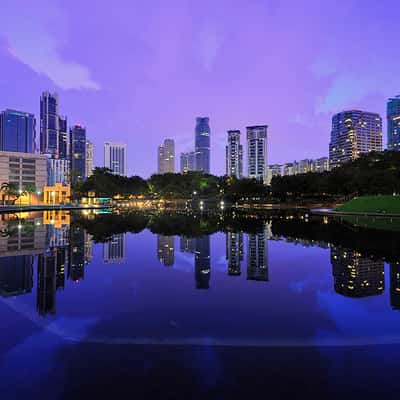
x,y
114,249
355,275
395,286
166,249
234,252
202,262
47,283
186,244
257,256
16,275
77,253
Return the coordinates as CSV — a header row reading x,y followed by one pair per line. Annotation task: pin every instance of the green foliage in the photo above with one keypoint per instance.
x,y
375,173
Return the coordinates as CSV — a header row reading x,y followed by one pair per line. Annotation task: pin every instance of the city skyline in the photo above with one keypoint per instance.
x,y
293,86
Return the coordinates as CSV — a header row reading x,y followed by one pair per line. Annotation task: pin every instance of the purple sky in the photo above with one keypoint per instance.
x,y
141,71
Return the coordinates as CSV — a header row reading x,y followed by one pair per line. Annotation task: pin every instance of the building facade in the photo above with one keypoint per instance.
x,y
320,165
166,157
354,133
288,169
234,155
393,123
58,171
25,171
188,161
257,165
17,131
114,249
62,137
89,158
78,153
49,124
115,157
166,250
202,144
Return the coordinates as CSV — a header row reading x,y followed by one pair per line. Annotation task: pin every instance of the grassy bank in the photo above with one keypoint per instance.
x,y
372,204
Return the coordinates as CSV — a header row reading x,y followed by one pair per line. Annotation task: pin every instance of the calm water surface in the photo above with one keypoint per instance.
x,y
219,306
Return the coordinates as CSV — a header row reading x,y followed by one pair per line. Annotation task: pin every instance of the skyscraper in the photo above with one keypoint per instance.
x,y
257,256
89,158
166,157
115,157
17,131
353,133
393,123
257,152
234,155
49,124
202,144
78,153
62,137
188,161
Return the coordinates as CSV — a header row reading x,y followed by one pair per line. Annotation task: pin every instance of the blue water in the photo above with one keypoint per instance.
x,y
145,308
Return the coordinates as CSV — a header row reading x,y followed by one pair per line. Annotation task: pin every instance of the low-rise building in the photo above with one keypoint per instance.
x,y
56,194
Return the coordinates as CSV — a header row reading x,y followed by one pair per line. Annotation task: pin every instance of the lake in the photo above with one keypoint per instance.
x,y
218,305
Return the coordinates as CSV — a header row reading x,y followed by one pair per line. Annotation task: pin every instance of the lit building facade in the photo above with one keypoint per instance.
x,y
202,144
320,165
354,133
58,170
115,157
62,137
188,162
234,252
234,155
17,131
89,158
166,157
25,171
273,170
78,153
393,123
288,169
202,263
56,194
257,257
257,163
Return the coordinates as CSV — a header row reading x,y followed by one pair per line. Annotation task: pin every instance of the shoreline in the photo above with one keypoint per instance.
x,y
8,209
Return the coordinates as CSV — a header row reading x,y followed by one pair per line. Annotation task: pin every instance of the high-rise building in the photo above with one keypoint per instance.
x,y
114,249
393,123
78,153
115,157
76,267
257,152
89,158
234,155
202,264
257,256
166,157
202,144
62,137
354,133
166,249
58,170
49,124
288,169
17,131
355,275
234,252
273,170
188,161
320,164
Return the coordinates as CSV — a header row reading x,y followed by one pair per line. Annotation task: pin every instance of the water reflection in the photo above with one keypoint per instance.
x,y
58,246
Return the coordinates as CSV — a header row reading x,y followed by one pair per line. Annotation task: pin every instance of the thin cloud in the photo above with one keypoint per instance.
x,y
27,31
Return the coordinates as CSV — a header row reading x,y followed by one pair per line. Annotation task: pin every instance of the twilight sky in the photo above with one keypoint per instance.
x,y
139,71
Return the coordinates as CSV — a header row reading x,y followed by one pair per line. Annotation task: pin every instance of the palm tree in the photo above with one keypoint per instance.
x,y
29,189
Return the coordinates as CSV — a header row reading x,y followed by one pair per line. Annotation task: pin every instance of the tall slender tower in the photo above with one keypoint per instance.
x,y
202,144
257,159
115,157
393,123
166,157
89,158
78,153
62,137
49,124
234,155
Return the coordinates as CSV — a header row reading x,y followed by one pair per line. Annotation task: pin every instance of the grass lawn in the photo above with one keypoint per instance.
x,y
372,204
